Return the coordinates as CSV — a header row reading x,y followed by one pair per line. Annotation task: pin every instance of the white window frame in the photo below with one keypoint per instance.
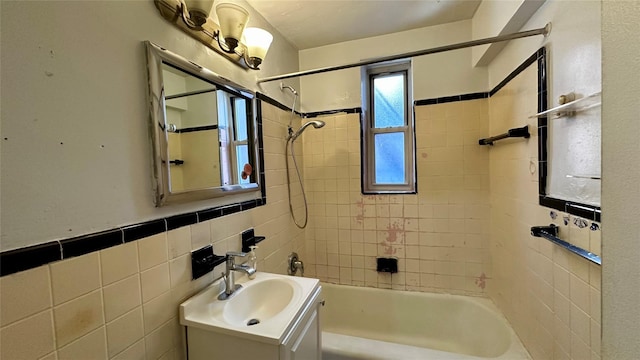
x,y
369,186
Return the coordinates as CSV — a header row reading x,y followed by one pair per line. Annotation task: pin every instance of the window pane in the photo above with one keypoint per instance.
x,y
388,100
389,158
242,156
240,115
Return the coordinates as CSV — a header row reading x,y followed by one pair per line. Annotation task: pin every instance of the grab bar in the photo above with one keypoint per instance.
x,y
551,233
516,132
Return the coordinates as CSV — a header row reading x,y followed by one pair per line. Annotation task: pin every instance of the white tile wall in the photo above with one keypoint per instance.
x,y
550,296
119,262
78,317
439,235
85,270
19,301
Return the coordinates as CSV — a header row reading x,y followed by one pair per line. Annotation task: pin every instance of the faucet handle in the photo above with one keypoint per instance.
x,y
236,254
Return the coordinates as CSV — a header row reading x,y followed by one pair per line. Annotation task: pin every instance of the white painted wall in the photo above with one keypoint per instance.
x,y
489,20
435,75
76,158
573,49
621,179
498,17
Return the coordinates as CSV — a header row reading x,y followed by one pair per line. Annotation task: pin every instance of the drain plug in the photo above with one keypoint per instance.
x,y
253,322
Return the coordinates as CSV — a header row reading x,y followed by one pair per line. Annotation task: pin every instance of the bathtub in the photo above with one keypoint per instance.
x,y
367,323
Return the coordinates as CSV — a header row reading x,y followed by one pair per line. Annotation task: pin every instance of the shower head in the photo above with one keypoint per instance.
x,y
315,123
282,87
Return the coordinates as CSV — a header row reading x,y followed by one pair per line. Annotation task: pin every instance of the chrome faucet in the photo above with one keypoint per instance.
x,y
229,283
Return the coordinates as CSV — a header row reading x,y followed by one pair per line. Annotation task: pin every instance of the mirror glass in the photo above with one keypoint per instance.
x,y
203,131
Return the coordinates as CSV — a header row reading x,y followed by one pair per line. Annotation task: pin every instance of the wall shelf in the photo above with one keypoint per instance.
x,y
589,177
572,107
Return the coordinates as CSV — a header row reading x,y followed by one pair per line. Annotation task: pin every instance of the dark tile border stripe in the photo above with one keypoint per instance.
x,y
209,214
447,99
178,221
30,257
530,60
197,128
259,135
143,230
26,258
93,242
356,110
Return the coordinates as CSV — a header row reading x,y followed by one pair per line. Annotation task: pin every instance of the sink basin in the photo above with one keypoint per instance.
x,y
263,309
258,303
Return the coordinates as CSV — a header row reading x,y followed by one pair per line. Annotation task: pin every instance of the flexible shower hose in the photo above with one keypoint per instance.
x,y
290,140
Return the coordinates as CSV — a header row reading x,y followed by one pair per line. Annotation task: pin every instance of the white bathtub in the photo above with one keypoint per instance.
x,y
367,323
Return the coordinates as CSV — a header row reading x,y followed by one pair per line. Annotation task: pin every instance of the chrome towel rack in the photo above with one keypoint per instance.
x,y
551,233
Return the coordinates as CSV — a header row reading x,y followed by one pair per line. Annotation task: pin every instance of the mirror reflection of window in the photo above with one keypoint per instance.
x,y
224,119
234,138
241,139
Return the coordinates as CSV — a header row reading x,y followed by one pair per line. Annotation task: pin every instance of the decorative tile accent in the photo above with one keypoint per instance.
x,y
447,99
90,243
143,230
179,221
13,261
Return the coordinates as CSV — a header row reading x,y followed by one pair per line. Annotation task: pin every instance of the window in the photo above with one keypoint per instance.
x,y
388,157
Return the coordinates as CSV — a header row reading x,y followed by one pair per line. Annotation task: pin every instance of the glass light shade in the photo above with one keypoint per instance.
x,y
257,41
233,19
199,10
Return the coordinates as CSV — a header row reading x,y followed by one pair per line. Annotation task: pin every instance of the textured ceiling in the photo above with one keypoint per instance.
x,y
312,23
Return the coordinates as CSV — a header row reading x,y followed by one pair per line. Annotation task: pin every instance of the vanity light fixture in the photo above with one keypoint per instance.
x,y
229,38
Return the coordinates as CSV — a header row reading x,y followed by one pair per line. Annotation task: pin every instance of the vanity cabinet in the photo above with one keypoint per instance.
x,y
305,340
302,340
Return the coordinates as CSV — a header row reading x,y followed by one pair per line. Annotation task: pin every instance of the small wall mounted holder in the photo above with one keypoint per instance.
x,y
203,260
249,239
389,265
515,132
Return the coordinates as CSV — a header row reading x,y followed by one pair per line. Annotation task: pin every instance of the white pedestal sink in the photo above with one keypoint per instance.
x,y
272,317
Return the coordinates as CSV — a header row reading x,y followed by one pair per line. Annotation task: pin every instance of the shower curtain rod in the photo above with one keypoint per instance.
x,y
541,31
